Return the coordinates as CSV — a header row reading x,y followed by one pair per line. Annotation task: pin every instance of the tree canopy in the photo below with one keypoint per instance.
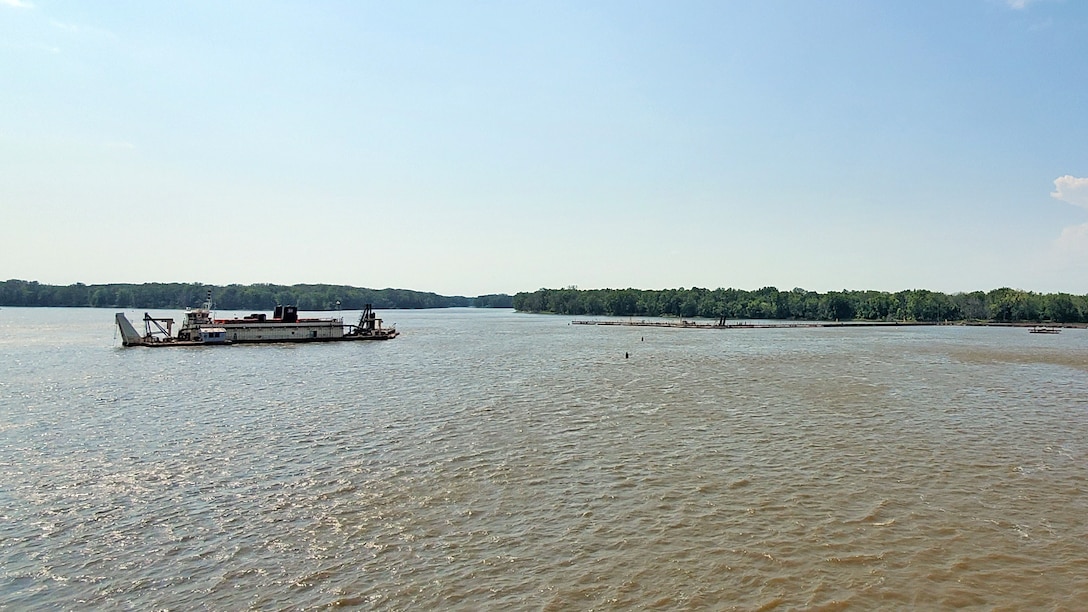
x,y
999,305
231,297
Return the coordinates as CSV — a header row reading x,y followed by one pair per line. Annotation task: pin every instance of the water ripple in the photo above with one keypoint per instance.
x,y
496,460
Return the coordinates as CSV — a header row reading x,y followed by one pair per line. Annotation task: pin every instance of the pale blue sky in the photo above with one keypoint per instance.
x,y
470,148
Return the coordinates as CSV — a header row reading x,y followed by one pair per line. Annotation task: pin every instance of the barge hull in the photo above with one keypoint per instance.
x,y
164,343
200,329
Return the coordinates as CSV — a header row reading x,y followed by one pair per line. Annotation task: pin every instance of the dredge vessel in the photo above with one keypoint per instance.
x,y
200,329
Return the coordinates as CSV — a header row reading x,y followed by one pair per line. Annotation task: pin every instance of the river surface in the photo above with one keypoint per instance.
x,y
487,459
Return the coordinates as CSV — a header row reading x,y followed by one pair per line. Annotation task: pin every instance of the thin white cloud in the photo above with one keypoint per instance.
x,y
1071,189
83,31
1073,241
67,27
1072,244
16,4
1018,5
1046,24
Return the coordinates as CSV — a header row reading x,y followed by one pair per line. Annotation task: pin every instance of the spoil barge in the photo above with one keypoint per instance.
x,y
200,329
722,324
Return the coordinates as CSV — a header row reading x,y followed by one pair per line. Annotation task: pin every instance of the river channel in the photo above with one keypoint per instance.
x,y
487,459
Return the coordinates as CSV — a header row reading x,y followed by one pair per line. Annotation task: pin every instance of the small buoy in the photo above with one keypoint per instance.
x,y
626,355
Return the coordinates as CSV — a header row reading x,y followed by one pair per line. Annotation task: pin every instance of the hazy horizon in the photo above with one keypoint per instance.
x,y
483,148
472,295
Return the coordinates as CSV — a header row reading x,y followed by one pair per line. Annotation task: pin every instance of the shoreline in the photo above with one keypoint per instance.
x,y
685,324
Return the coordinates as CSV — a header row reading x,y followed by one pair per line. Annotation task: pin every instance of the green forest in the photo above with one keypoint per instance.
x,y
1000,305
232,297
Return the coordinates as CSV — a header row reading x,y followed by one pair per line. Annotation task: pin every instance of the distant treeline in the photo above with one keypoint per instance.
x,y
999,305
232,297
